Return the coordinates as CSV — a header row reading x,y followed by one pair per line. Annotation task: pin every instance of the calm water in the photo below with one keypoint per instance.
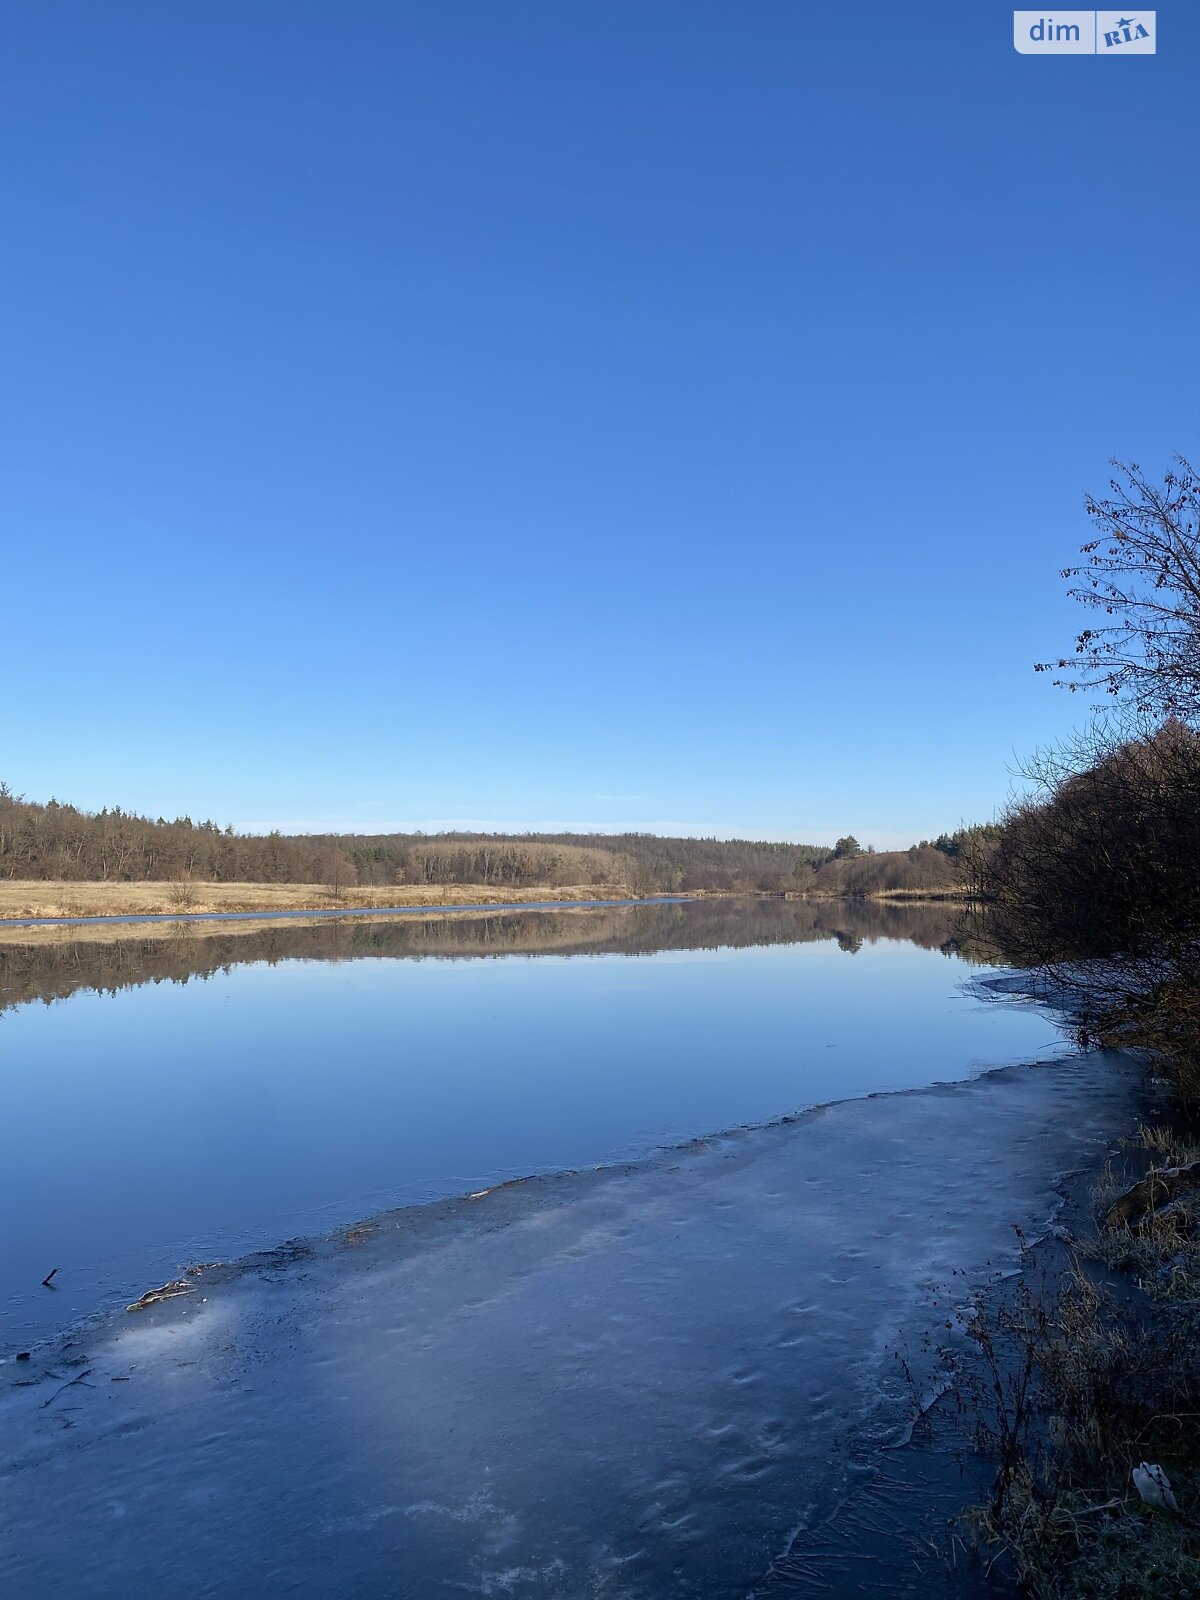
x,y
189,1099
666,1366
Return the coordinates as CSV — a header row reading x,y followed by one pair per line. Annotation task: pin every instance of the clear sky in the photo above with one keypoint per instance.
x,y
645,413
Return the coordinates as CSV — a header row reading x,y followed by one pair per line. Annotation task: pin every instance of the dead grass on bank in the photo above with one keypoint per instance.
x,y
1081,1385
1160,1250
51,899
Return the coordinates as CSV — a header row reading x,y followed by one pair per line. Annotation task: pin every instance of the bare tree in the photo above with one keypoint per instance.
x,y
1142,576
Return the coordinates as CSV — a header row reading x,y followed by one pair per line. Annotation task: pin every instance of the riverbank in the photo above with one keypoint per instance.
x,y
1080,1380
22,900
1086,1387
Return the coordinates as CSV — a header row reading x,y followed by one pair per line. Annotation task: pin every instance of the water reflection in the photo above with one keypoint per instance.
x,y
191,1097
57,963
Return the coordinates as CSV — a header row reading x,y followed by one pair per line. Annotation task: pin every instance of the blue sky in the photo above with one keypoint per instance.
x,y
667,415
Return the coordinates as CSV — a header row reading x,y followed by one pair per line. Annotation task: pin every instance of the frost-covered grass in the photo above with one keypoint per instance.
x,y
1083,1384
1160,1249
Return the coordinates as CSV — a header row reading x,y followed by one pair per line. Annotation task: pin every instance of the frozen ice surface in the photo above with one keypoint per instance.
x,y
650,1380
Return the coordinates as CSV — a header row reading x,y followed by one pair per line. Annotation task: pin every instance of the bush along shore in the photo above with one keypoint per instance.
x,y
1090,1396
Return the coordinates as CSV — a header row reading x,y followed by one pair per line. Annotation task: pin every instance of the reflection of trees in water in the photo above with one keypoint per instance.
x,y
30,972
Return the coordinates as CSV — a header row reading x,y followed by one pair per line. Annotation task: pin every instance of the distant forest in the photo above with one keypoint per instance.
x,y
59,842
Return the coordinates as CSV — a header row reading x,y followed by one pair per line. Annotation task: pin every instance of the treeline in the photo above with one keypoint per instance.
x,y
919,870
58,842
640,863
950,866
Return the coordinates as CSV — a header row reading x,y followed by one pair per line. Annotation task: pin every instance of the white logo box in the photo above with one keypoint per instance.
x,y
1085,33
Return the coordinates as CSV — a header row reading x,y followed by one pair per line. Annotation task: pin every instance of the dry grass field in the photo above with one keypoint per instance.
x,y
49,899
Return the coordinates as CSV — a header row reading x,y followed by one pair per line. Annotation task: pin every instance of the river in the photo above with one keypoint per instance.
x,y
545,1254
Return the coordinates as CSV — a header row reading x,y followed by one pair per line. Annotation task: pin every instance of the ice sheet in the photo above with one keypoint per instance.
x,y
672,1377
